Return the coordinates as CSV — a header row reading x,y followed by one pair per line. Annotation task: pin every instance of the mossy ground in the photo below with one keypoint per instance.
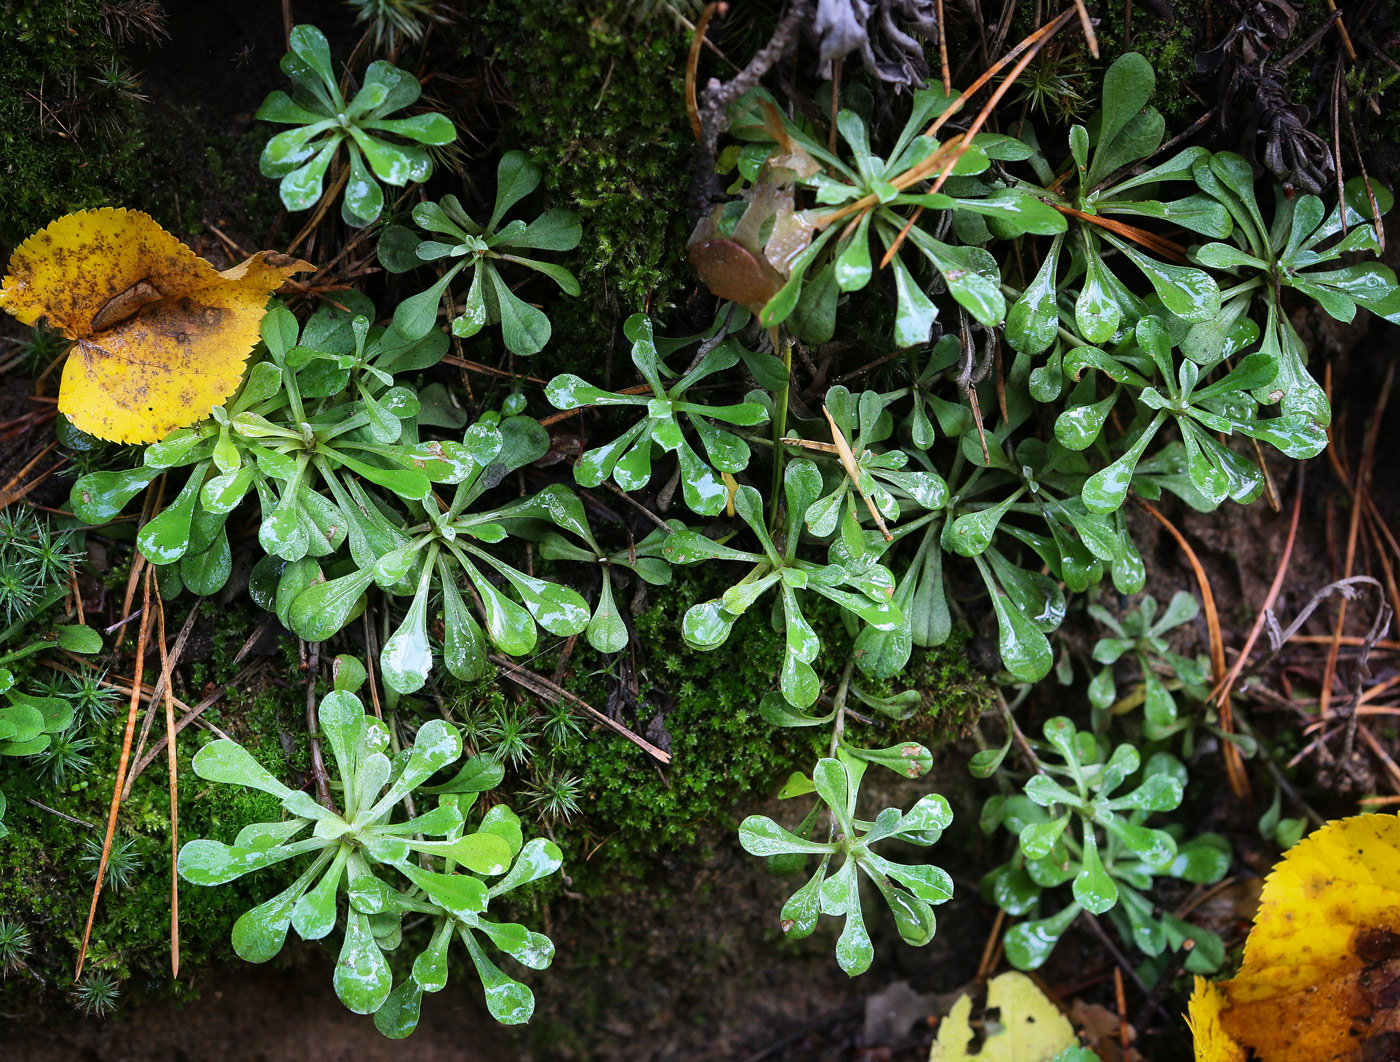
x,y
69,137
595,92
47,886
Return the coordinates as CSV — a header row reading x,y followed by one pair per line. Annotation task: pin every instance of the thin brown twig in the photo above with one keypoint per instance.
x,y
487,370
1342,31
191,714
919,172
1088,26
1121,1002
1359,489
848,463
373,655
1391,768
992,949
318,762
943,50
1120,958
692,64
150,505
162,683
964,142
1222,690
542,687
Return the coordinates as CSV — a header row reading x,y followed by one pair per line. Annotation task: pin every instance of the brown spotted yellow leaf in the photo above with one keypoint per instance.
x,y
1321,973
159,335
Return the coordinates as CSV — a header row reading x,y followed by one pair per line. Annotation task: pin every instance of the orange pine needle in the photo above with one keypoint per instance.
x,y
121,770
964,142
848,462
174,790
692,64
1234,765
1166,248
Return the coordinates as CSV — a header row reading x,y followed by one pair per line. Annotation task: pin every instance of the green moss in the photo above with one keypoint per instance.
x,y
725,757
599,98
67,141
45,886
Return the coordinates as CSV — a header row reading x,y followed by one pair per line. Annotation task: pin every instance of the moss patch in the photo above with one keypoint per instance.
x,y
599,97
70,135
45,885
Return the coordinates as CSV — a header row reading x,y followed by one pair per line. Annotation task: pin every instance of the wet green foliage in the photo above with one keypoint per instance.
x,y
1075,827
869,526
464,243
323,120
426,863
910,891
321,410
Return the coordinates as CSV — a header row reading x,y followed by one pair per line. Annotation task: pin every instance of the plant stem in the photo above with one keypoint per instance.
x,y
838,725
780,412
1022,745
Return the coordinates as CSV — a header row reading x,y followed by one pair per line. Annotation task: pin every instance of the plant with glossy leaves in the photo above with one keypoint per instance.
x,y
324,120
880,478
464,243
330,446
1164,678
627,459
384,865
1287,254
1099,187
462,914
1072,828
875,198
607,630
910,891
320,406
442,545
1167,389
862,589
1140,635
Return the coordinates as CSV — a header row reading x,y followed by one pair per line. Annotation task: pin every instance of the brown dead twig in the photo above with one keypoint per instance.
x,y
174,780
543,687
1223,687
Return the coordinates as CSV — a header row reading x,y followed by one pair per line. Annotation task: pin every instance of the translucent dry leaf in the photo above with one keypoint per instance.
x,y
1029,1028
159,334
1321,971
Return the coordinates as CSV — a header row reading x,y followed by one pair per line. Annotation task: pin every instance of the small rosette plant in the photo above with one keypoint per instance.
x,y
911,891
383,864
324,120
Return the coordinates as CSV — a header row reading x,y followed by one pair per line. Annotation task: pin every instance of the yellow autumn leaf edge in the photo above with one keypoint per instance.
x,y
1333,852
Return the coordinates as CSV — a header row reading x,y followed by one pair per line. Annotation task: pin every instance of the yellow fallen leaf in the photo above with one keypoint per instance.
x,y
1213,1043
1032,1027
160,336
1321,971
